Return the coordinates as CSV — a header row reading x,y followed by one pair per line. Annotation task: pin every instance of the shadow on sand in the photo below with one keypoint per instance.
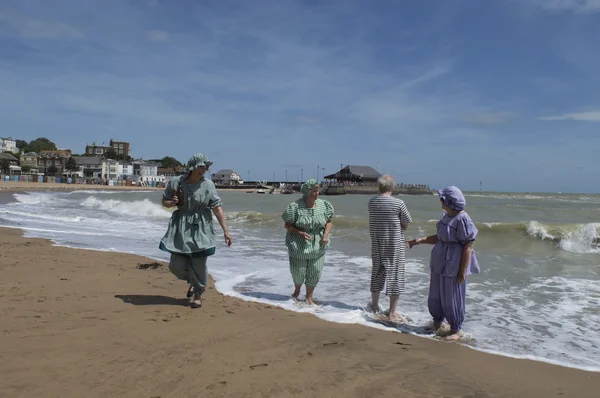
x,y
142,299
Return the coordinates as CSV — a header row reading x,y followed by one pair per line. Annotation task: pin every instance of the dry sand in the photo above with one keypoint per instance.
x,y
78,323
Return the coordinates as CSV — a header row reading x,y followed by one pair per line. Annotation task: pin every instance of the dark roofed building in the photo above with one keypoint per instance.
x,y
352,173
90,166
7,156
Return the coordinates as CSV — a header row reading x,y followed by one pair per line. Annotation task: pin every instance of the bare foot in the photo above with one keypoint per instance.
x,y
396,317
454,336
309,301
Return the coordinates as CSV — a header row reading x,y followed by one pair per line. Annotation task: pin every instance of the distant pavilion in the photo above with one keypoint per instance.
x,y
355,174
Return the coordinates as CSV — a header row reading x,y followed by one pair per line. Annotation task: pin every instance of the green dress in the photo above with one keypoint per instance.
x,y
310,220
191,231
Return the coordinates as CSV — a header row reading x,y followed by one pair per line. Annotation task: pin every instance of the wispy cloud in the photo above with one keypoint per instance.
x,y
579,6
306,82
158,36
591,116
32,28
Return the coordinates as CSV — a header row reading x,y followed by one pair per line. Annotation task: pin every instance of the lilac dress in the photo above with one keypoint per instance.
x,y
447,297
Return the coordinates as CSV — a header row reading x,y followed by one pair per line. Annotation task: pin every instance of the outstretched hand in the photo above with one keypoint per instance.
x,y
412,243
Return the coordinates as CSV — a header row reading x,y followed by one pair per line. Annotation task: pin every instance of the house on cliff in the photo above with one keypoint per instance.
x,y
227,177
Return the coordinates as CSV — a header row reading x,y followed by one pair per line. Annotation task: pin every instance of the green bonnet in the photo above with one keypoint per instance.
x,y
308,186
198,160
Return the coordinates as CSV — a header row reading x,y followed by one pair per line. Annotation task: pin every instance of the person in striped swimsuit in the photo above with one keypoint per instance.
x,y
308,224
388,218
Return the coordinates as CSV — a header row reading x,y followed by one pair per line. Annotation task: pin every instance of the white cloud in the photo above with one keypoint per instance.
x,y
32,28
592,116
580,6
158,36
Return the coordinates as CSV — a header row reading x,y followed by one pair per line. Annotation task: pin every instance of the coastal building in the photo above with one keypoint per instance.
x,y
89,166
355,174
48,159
121,148
116,170
97,150
146,171
13,161
167,172
8,145
30,160
227,177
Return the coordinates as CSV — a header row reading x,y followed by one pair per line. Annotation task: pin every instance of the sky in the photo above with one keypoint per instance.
x,y
440,92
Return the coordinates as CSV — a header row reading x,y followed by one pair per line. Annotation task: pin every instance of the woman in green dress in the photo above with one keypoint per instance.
x,y
308,224
190,237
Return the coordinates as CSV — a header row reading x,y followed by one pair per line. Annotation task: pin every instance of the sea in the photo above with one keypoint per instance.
x,y
538,296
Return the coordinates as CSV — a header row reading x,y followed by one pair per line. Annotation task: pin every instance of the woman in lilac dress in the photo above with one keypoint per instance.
x,y
452,260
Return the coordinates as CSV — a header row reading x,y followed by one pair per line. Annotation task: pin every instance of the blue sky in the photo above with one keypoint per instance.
x,y
437,92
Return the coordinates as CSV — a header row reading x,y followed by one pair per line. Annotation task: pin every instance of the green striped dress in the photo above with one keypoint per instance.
x,y
310,220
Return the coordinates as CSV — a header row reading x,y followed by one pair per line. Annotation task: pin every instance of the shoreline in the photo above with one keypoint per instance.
x,y
48,186
96,310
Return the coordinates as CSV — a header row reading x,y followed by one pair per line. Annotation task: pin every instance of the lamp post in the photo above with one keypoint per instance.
x,y
317,173
301,175
286,180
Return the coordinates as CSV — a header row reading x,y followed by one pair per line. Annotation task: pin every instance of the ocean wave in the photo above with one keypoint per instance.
x,y
49,217
573,238
251,216
138,208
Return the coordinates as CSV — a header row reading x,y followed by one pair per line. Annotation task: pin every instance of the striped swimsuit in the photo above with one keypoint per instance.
x,y
386,216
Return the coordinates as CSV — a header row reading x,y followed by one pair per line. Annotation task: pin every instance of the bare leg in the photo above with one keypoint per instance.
x,y
392,314
375,301
309,294
296,292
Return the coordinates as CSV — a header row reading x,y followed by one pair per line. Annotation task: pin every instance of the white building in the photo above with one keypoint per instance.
x,y
146,171
227,177
116,170
8,145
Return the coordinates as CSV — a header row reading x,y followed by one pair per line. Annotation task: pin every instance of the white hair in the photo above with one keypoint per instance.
x,y
386,183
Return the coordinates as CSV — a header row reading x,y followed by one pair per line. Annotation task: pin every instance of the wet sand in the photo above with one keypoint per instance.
x,y
79,323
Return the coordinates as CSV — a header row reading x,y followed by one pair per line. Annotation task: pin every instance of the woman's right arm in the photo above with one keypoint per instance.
x,y
170,203
169,198
431,239
295,231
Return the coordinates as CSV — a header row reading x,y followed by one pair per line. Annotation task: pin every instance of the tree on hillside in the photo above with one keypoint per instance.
x,y
51,170
71,164
40,144
169,162
5,166
25,169
110,154
21,144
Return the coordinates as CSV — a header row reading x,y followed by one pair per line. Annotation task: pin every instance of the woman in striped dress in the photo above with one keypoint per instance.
x,y
308,225
388,217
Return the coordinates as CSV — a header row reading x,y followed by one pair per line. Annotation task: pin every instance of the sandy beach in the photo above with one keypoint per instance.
x,y
81,323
